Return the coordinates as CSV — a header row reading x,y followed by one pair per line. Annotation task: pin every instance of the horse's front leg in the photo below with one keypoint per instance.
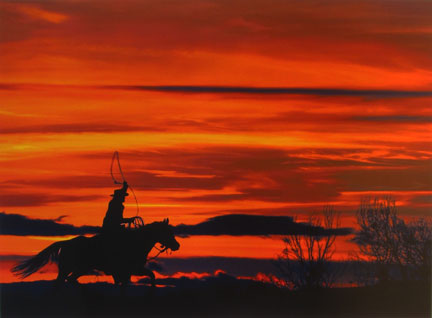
x,y
121,279
73,278
61,277
143,271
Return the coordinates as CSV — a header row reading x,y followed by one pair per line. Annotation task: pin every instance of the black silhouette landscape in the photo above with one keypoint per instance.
x,y
221,295
299,285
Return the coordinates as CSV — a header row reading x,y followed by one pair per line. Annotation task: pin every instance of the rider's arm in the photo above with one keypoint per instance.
x,y
125,220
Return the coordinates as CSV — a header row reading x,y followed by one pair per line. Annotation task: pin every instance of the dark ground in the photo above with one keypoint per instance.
x,y
222,296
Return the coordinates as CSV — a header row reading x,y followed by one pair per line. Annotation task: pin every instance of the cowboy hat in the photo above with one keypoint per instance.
x,y
120,193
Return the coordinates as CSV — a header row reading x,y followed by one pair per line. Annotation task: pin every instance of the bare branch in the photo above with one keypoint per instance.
x,y
304,262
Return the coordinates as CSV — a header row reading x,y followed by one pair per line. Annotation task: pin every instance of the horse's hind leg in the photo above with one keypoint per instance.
x,y
73,278
64,267
117,279
121,279
150,274
61,277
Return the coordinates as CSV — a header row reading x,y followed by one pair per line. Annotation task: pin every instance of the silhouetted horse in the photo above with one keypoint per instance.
x,y
119,254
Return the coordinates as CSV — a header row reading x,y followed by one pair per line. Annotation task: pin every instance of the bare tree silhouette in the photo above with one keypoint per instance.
x,y
388,240
305,261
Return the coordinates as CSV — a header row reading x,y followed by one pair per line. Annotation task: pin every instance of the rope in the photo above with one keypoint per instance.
x,y
117,157
136,201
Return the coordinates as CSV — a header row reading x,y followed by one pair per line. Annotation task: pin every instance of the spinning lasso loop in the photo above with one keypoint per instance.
x,y
116,157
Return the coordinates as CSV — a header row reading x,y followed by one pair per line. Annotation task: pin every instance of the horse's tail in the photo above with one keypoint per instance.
x,y
32,265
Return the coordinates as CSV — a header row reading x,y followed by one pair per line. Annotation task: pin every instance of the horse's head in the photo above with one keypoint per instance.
x,y
163,233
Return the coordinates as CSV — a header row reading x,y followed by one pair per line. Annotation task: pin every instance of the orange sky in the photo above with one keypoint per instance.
x,y
71,93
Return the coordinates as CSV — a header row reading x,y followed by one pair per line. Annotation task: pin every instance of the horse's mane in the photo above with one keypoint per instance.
x,y
158,224
153,226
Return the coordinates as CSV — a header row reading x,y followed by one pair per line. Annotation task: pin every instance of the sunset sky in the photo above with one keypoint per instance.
x,y
272,108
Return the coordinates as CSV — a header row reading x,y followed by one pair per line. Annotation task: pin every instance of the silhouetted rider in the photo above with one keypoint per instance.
x,y
114,216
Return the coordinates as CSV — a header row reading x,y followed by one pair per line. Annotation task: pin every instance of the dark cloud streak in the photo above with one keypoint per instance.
x,y
396,118
40,199
198,89
139,179
274,90
78,128
20,225
231,224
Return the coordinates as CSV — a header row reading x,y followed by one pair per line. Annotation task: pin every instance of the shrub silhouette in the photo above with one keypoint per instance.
x,y
305,261
389,241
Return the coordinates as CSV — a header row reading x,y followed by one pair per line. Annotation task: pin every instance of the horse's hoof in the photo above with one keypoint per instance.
x,y
73,282
58,284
